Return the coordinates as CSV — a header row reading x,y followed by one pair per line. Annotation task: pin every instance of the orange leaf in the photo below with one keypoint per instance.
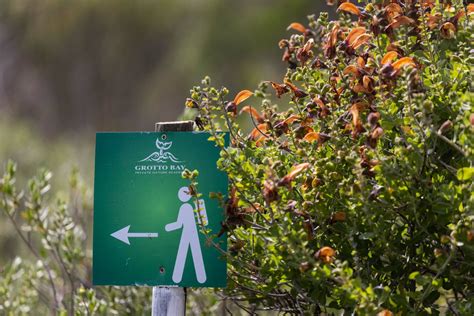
x,y
377,133
355,110
393,9
361,105
358,88
297,27
433,20
261,128
325,254
385,312
242,96
349,7
297,170
388,57
399,21
327,251
280,89
449,26
351,69
259,141
448,30
306,122
354,33
296,91
402,62
427,3
470,235
291,119
404,20
368,83
254,113
338,216
360,40
470,8
311,137
318,101
373,118
291,86
333,35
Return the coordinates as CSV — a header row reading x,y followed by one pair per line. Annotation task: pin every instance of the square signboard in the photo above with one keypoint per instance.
x,y
147,227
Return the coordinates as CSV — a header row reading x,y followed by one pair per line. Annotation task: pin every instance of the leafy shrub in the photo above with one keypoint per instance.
x,y
57,279
353,191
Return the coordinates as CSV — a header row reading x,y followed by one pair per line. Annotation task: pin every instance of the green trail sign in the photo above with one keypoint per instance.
x,y
147,227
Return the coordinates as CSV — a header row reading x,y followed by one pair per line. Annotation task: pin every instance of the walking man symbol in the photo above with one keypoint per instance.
x,y
189,239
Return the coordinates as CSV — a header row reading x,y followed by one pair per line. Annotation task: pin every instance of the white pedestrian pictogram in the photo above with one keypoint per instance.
x,y
189,239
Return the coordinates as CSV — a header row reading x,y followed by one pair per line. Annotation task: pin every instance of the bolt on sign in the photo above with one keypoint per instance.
x,y
148,229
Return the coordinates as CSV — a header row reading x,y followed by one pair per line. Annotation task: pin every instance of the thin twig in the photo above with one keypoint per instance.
x,y
450,143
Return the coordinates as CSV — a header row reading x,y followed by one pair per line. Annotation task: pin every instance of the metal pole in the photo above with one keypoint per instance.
x,y
170,301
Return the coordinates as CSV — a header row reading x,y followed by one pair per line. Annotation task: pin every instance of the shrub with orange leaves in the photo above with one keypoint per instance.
x,y
366,145
325,254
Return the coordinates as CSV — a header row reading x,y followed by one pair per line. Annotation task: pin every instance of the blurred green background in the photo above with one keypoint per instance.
x,y
71,68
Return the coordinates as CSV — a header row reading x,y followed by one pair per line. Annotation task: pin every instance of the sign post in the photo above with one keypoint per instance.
x,y
168,301
149,230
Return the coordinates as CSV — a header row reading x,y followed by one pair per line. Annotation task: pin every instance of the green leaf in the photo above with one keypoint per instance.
x,y
465,173
413,275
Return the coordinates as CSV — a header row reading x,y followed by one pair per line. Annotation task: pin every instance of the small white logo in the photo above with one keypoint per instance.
x,y
162,155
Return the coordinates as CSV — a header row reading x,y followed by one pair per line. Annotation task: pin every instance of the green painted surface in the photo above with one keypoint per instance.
x,y
137,180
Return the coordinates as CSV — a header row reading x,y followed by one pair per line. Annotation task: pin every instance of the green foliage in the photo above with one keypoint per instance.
x,y
17,287
354,191
54,230
63,153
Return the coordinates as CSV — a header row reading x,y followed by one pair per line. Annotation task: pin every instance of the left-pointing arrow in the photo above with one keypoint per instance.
x,y
123,235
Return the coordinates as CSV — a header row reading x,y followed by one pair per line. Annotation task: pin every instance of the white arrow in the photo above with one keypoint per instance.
x,y
123,235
